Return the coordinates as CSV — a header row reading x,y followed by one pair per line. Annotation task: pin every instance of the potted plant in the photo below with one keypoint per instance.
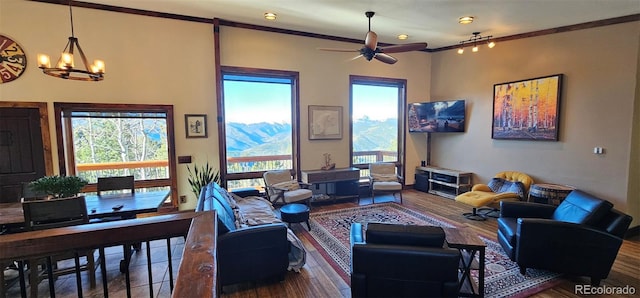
x,y
201,176
59,186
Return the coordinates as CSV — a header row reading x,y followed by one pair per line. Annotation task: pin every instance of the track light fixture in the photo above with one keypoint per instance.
x,y
476,40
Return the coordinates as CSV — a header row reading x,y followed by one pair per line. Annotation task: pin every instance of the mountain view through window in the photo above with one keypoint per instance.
x,y
258,126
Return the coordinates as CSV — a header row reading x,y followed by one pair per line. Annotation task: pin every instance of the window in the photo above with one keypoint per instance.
x,y
102,140
377,113
259,132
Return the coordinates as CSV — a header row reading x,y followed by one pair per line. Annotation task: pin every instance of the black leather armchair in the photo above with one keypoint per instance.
x,y
579,237
402,261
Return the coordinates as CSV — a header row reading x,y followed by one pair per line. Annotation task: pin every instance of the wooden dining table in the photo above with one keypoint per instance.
x,y
98,207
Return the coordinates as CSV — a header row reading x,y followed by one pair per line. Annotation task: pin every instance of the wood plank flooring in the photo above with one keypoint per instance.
x,y
318,279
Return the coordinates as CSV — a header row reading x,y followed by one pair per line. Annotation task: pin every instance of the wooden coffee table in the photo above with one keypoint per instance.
x,y
469,244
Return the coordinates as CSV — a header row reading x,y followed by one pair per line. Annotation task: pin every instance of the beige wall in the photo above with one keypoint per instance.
x,y
148,61
159,61
324,80
600,76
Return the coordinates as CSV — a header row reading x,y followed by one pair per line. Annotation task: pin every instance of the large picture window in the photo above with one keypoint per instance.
x,y
377,113
260,134
102,140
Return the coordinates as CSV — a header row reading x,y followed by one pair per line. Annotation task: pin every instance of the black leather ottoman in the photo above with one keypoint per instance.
x,y
295,213
246,191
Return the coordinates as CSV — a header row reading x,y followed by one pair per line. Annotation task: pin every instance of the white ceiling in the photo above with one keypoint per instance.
x,y
431,21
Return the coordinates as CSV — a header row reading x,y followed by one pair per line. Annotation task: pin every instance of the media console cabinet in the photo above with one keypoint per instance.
x,y
340,183
443,182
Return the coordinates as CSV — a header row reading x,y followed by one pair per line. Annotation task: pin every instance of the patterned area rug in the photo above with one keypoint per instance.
x,y
330,235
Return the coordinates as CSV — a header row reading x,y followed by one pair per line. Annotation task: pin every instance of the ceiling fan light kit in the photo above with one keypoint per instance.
x,y
370,50
476,40
65,68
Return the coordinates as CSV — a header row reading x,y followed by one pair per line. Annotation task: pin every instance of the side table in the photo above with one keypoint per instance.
x,y
295,213
472,257
548,193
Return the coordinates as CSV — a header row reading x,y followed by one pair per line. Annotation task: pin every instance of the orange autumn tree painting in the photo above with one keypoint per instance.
x,y
528,109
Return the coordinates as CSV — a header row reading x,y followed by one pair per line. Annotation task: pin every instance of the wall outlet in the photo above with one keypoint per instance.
x,y
183,199
598,150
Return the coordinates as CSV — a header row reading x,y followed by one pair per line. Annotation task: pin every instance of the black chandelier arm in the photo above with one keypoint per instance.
x,y
73,74
84,58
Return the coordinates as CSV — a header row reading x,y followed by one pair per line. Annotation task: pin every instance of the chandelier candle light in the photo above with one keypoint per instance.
x,y
66,67
475,40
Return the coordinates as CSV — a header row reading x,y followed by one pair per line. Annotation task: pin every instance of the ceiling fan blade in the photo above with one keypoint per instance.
x,y
354,58
385,58
404,47
338,50
371,40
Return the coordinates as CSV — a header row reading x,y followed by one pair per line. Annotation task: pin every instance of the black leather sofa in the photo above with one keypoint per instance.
x,y
580,237
390,260
247,253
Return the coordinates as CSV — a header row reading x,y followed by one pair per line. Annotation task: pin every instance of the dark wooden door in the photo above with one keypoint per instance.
x,y
21,151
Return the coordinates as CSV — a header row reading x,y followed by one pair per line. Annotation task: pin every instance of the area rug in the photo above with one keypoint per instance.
x,y
330,235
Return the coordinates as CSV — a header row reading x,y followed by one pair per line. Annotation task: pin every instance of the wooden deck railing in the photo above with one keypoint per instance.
x,y
199,255
122,165
367,157
198,264
242,171
243,163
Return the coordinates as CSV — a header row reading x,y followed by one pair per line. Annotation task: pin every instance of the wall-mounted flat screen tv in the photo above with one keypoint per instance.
x,y
437,116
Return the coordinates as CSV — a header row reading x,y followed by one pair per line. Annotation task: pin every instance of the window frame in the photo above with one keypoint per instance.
x,y
295,116
401,84
66,161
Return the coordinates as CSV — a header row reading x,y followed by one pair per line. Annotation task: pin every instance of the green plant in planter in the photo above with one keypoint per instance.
x,y
201,176
59,186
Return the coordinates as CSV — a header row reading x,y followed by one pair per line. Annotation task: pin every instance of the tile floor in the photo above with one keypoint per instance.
x,y
65,286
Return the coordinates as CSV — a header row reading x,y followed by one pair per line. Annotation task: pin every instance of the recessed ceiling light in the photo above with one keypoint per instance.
x,y
270,16
403,36
465,20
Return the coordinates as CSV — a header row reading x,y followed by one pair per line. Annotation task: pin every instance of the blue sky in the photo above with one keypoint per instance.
x,y
244,102
377,102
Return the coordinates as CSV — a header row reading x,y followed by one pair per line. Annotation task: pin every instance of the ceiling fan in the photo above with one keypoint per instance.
x,y
370,50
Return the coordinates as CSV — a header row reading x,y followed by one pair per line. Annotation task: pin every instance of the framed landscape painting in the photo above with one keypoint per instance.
x,y
527,109
325,122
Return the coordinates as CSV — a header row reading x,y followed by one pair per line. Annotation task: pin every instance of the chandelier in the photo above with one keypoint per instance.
x,y
476,40
65,68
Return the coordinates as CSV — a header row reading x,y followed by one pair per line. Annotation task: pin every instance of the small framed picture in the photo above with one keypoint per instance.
x,y
195,125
